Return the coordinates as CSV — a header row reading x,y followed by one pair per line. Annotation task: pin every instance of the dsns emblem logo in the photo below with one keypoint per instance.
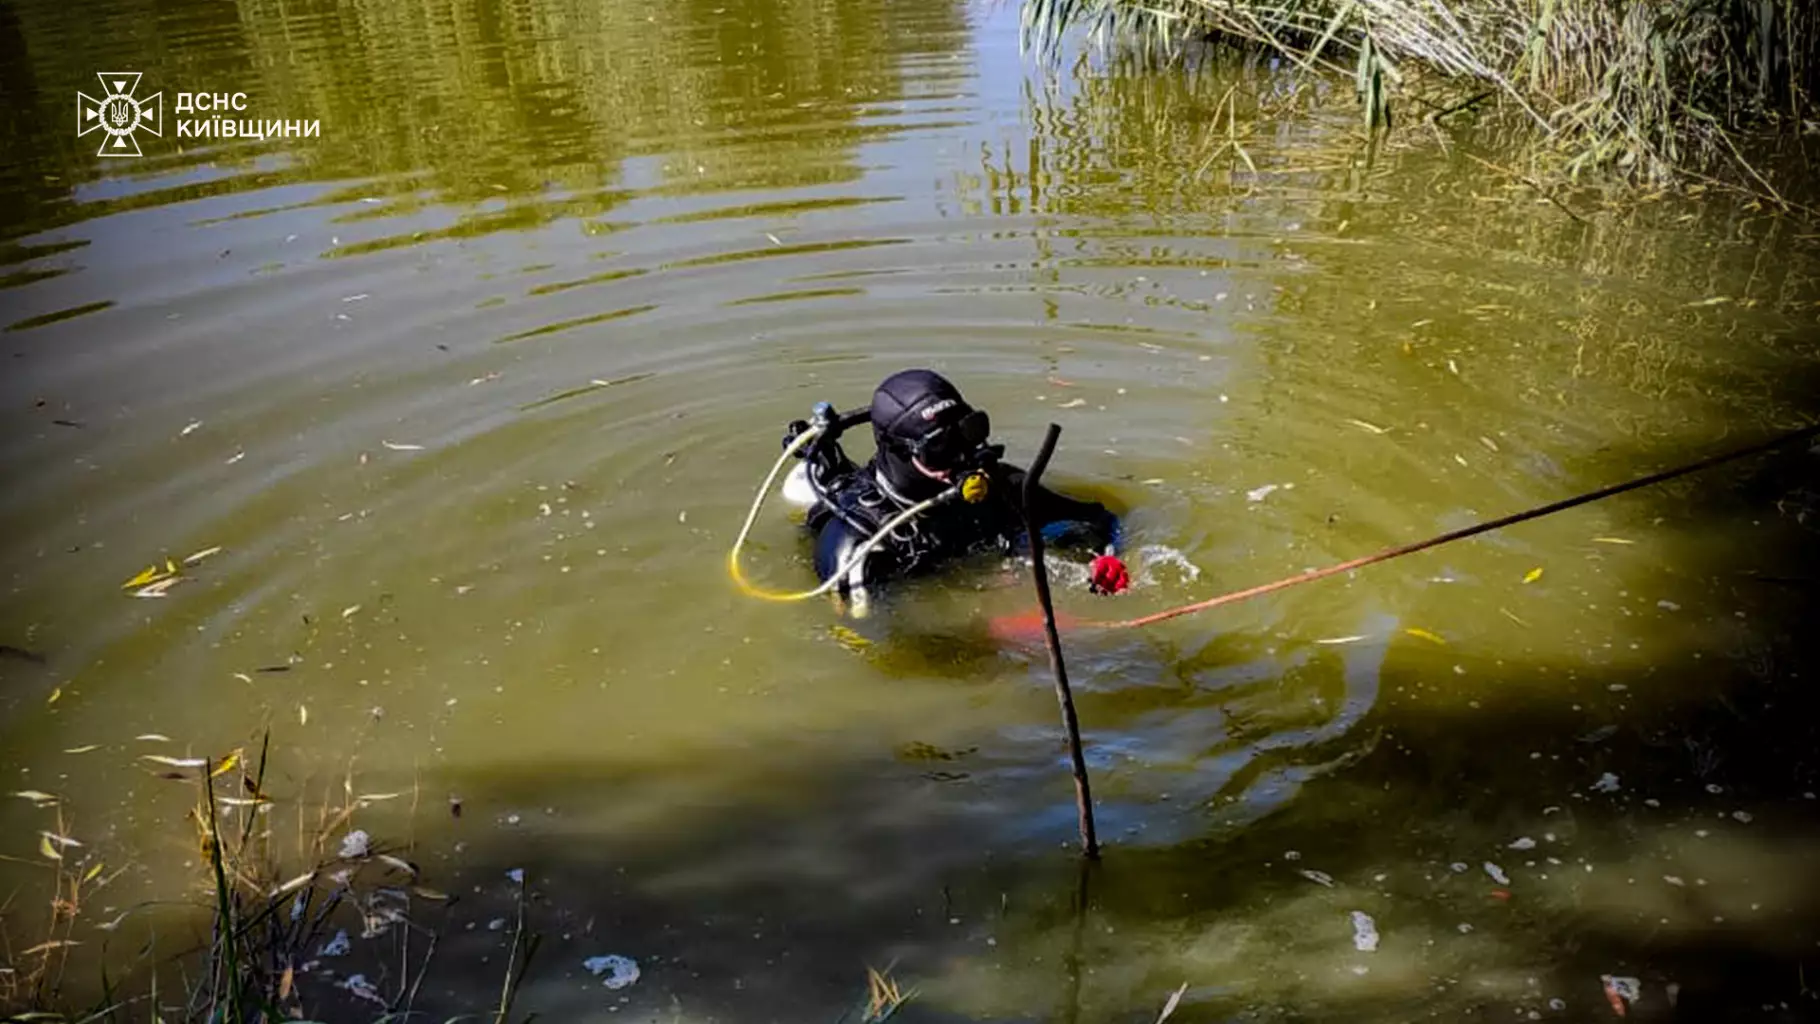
x,y
119,114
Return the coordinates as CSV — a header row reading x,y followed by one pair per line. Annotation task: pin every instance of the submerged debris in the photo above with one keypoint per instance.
x,y
1364,932
355,844
620,971
1621,992
358,985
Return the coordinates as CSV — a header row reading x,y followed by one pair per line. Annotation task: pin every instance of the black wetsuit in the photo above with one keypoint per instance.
x,y
864,502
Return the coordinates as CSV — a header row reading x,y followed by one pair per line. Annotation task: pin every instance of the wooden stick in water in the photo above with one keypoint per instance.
x,y
1083,796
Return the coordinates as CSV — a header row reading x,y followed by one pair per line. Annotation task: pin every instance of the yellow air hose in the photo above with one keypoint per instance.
x,y
859,553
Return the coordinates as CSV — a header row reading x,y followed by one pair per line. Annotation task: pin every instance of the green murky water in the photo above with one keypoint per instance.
x,y
472,388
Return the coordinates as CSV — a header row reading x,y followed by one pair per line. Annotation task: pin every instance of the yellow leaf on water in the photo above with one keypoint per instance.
x,y
1533,575
227,764
93,872
52,699
150,573
849,639
170,566
45,847
1425,635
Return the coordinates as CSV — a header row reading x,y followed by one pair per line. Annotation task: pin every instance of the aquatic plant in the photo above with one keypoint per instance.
x,y
274,934
1652,90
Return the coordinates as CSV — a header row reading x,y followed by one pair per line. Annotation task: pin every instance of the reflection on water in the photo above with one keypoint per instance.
x,y
471,390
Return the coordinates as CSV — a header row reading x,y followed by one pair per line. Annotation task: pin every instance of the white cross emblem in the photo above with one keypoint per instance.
x,y
118,114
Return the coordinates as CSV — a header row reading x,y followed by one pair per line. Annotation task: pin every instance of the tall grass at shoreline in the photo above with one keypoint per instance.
x,y
285,886
1651,90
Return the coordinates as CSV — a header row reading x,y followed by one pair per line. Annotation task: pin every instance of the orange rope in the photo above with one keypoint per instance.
x,y
1460,534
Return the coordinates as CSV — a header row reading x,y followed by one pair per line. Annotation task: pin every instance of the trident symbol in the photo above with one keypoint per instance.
x,y
118,114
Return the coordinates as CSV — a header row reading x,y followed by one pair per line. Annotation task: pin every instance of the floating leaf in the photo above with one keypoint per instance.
x,y
45,947
849,639
349,610
303,714
1717,300
64,842
157,589
1341,639
366,798
45,847
402,447
147,575
93,872
200,555
82,750
227,764
296,883
1612,540
35,796
55,696
1373,427
429,894
153,737
175,762
1075,404
1425,635
1533,575
1175,1000
400,863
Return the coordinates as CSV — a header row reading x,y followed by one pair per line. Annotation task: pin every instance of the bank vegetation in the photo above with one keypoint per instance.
x,y
1649,91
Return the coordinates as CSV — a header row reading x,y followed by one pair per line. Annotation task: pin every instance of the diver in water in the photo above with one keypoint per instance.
x,y
932,456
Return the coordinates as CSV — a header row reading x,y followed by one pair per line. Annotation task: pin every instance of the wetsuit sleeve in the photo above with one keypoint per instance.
x,y
1051,509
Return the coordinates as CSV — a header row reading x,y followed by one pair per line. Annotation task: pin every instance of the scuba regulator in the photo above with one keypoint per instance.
x,y
959,450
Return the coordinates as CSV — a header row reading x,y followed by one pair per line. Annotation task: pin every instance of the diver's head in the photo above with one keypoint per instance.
x,y
926,432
